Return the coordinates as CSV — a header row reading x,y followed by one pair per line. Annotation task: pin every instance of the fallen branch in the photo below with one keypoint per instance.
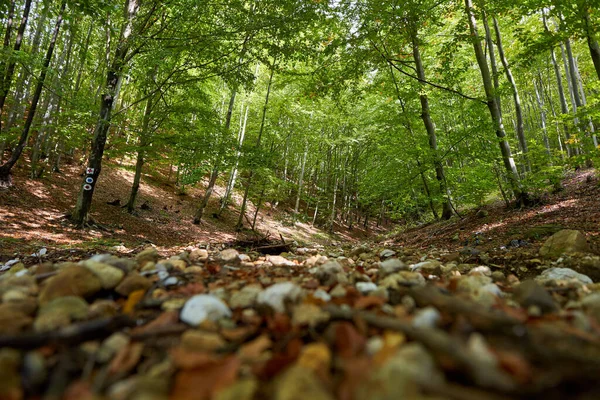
x,y
73,334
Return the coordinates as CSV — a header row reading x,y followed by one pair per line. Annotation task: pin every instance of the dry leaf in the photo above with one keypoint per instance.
x,y
202,383
134,298
126,359
252,350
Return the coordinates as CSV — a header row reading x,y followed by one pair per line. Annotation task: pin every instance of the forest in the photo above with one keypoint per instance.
x,y
251,199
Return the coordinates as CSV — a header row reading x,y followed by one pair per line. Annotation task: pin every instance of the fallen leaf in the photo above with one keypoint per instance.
x,y
362,303
165,319
348,342
203,382
186,359
252,350
126,359
316,357
391,343
134,298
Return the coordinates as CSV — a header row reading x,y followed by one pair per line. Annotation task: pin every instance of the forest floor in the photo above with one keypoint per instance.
x,y
32,216
466,309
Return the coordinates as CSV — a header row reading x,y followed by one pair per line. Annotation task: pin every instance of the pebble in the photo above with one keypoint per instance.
x,y
71,281
196,340
13,320
559,274
277,295
403,279
391,266
110,346
229,257
245,297
203,307
147,255
309,314
427,317
131,283
279,261
330,273
387,253
322,295
481,270
198,255
338,291
60,312
109,276
529,293
366,287
429,267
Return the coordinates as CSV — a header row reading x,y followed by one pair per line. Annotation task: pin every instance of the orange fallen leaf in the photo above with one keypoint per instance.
x,y
164,319
202,383
134,298
348,342
365,302
185,359
253,350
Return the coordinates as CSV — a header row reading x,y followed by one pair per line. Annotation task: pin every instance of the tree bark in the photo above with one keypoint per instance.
x,y
238,226
80,214
430,127
6,78
139,162
509,163
16,154
215,171
592,41
515,92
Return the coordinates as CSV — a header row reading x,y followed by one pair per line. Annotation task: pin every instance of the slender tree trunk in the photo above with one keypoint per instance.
x,y
540,102
492,53
509,163
515,91
561,92
234,169
139,163
215,171
430,127
6,167
6,78
7,34
301,179
80,214
238,226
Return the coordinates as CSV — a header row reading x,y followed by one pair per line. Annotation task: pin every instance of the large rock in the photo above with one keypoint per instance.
x,y
13,320
565,241
71,281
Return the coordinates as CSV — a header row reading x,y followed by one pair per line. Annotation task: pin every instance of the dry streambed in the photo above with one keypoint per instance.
x,y
368,322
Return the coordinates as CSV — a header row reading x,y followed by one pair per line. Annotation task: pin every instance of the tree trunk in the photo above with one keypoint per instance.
x,y
238,226
301,179
6,167
6,78
540,102
592,41
515,91
215,172
234,170
509,163
139,163
490,45
430,127
80,214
